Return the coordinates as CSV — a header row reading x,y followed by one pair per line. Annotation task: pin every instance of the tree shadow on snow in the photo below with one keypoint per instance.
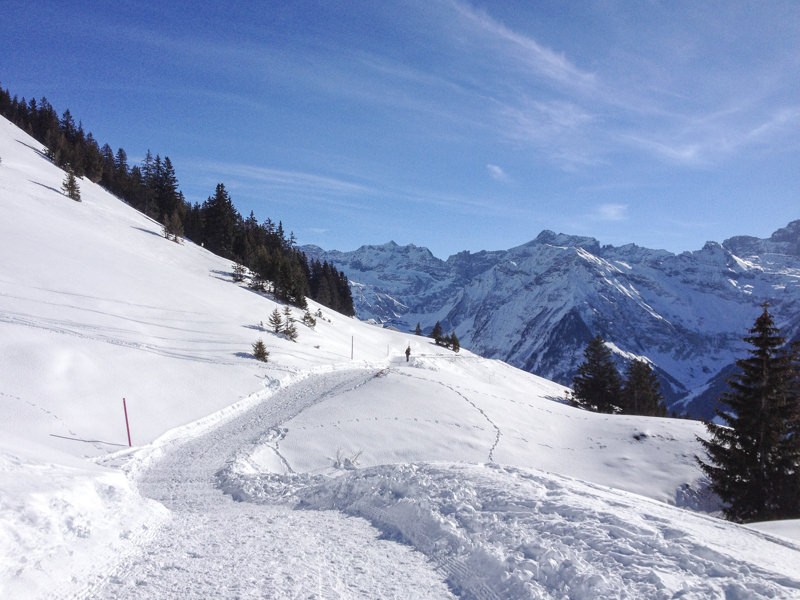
x,y
47,187
223,275
38,150
559,399
150,231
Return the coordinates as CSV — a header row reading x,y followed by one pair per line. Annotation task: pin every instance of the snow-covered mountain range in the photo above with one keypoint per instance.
x,y
537,305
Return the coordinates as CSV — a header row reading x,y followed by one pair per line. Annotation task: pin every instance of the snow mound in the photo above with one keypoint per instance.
x,y
504,532
55,513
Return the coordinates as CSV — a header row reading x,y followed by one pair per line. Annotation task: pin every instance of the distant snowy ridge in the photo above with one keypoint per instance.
x,y
537,305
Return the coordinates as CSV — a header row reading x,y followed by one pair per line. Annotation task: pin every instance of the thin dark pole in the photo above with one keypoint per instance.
x,y
127,425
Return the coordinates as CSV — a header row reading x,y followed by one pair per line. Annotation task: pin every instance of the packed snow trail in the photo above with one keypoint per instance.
x,y
216,547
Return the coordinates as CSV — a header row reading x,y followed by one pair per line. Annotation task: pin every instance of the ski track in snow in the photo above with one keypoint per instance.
x,y
217,547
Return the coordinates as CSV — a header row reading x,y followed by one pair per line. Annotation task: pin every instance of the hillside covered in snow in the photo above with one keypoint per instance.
x,y
536,306
337,469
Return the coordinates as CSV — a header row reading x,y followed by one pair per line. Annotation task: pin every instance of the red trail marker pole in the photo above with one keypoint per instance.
x,y
127,425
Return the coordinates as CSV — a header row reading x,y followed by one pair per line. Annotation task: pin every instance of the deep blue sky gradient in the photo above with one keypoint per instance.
x,y
444,123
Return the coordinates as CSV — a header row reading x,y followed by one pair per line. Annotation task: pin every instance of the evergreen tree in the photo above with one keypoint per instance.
x,y
220,222
121,169
418,329
309,320
93,159
56,144
263,267
70,186
437,333
239,271
107,179
260,350
597,385
194,222
753,457
168,198
455,344
291,282
276,321
289,328
173,227
641,393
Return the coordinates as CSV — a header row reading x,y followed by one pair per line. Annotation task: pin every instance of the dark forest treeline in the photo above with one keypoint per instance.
x,y
152,188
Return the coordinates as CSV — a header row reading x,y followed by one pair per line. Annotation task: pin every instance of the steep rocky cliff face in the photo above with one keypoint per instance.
x,y
536,306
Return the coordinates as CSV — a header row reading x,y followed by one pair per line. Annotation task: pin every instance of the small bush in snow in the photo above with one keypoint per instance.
x,y
239,271
309,320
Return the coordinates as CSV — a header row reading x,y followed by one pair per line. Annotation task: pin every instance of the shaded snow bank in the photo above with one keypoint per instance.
x,y
503,532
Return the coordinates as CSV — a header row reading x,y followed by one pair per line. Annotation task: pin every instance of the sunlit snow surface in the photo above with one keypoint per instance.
x,y
337,470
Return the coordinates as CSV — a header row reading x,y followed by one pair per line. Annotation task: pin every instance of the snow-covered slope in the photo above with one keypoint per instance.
x,y
493,485
537,305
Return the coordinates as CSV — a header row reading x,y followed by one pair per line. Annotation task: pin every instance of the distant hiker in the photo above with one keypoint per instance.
x,y
408,352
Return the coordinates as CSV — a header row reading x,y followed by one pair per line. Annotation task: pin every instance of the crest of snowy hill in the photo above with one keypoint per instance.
x,y
505,490
537,305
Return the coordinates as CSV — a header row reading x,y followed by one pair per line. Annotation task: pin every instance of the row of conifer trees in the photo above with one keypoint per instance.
x,y
153,189
598,386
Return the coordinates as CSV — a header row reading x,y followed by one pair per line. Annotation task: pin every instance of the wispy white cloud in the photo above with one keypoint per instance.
x,y
561,131
497,173
685,112
611,212
525,50
251,184
284,179
706,141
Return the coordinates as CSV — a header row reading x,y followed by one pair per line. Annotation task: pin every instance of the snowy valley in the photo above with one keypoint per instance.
x,y
338,469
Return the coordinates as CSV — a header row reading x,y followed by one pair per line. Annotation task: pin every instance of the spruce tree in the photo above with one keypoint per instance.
x,y
220,218
276,321
437,333
239,272
260,350
309,320
641,392
454,342
70,185
753,456
172,226
597,385
289,328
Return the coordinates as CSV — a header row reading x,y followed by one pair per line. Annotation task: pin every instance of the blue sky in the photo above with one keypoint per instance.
x,y
449,124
